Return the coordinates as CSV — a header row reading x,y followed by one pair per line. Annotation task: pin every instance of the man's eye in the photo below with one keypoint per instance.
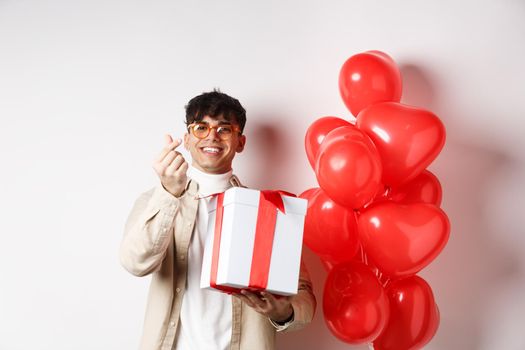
x,y
224,130
199,127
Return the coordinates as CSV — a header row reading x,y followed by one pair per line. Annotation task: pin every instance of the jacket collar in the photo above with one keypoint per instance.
x,y
192,187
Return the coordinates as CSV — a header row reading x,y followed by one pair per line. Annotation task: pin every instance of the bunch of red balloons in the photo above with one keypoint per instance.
x,y
375,219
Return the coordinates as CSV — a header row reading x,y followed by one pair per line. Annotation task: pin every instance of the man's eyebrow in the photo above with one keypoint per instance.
x,y
220,122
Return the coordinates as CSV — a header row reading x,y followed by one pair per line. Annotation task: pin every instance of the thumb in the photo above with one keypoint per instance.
x,y
168,139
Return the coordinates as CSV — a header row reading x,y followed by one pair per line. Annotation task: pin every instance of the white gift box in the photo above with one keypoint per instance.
x,y
237,237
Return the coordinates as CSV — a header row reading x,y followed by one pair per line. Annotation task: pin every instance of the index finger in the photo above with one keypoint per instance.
x,y
272,298
253,298
168,148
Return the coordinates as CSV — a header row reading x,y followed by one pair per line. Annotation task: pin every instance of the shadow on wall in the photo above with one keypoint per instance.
x,y
476,266
417,89
267,144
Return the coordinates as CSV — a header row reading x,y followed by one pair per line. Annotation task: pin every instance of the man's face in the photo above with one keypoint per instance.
x,y
211,154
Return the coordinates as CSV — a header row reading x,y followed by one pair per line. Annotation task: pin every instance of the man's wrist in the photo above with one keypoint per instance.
x,y
281,326
176,195
287,319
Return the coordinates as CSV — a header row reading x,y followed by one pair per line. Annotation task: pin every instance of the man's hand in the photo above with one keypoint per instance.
x,y
277,308
171,167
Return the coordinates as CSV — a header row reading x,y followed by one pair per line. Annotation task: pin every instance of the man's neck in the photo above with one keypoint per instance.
x,y
210,183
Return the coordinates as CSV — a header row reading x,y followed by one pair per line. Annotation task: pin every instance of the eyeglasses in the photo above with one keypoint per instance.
x,y
202,130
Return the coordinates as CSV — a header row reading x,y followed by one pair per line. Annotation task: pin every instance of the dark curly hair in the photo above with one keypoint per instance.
x,y
215,104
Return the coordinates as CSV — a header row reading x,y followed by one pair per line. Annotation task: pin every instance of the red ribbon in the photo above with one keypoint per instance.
x,y
217,247
269,203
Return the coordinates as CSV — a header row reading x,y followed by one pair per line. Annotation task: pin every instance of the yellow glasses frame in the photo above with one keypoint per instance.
x,y
217,128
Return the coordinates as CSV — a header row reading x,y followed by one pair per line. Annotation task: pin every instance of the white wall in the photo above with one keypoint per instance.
x,y
87,89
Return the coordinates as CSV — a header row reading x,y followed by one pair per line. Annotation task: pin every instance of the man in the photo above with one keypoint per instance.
x,y
165,234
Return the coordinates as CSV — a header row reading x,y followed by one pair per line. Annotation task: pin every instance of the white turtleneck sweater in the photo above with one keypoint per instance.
x,y
206,316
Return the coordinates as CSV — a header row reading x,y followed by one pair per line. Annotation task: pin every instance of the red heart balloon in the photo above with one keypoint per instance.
x,y
360,257
308,193
368,78
316,134
348,167
330,230
329,264
424,188
408,139
402,239
414,316
355,305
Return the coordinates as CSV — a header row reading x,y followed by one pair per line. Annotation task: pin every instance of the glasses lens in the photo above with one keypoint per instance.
x,y
225,131
201,130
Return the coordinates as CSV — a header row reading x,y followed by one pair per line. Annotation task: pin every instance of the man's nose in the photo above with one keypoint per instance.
x,y
213,135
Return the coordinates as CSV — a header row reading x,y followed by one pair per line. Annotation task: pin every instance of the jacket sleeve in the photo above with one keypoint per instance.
x,y
148,231
303,302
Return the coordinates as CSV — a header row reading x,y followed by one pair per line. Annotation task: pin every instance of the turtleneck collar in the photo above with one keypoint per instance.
x,y
210,183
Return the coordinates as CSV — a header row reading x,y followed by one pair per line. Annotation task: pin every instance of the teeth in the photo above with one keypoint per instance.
x,y
211,149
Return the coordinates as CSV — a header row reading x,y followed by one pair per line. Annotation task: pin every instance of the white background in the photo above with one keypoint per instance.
x,y
88,88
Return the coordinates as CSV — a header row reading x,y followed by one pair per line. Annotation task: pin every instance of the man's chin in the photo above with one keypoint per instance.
x,y
210,168
214,169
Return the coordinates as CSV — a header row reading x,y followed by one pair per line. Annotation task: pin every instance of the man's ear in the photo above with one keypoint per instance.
x,y
186,139
242,143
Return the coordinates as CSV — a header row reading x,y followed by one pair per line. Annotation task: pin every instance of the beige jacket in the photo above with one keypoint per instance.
x,y
156,239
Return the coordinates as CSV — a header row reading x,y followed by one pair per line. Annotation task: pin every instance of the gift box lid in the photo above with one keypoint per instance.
x,y
250,197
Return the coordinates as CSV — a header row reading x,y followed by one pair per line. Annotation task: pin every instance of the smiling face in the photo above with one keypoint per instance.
x,y
211,154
